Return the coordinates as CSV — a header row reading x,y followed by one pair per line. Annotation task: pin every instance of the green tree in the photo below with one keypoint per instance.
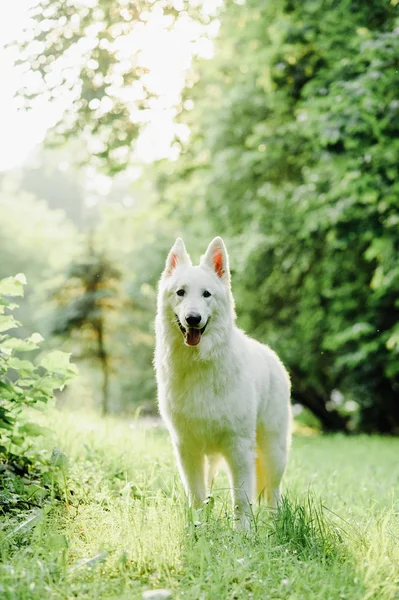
x,y
35,240
89,293
27,222
294,147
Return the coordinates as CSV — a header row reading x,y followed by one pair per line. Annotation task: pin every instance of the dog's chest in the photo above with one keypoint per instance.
x,y
194,390
205,398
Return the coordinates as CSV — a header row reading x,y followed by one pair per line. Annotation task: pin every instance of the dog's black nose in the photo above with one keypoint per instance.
x,y
193,319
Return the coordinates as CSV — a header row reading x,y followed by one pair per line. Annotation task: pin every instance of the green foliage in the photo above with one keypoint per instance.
x,y
22,384
27,223
300,138
89,289
83,302
37,241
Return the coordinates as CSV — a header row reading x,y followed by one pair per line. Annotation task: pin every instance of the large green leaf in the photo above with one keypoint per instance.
x,y
58,362
33,429
24,367
13,286
8,322
21,345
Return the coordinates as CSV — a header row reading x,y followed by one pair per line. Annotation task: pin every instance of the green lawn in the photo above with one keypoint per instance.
x,y
126,528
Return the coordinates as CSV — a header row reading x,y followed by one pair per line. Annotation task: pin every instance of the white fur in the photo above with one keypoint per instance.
x,y
229,396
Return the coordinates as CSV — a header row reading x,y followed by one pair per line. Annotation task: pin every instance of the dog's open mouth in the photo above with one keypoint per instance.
x,y
192,335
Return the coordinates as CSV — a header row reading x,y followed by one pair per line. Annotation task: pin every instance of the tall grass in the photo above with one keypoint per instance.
x,y
125,527
307,528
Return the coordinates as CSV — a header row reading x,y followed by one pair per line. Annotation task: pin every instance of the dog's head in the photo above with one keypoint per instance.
x,y
198,297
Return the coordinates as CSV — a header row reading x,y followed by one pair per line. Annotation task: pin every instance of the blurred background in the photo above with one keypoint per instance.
x,y
274,124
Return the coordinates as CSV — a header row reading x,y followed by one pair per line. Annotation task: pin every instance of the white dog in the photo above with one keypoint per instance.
x,y
221,393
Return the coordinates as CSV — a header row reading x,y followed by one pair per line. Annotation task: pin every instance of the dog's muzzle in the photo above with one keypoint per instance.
x,y
192,335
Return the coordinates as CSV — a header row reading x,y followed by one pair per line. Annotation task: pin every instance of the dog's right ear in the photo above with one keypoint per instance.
x,y
178,255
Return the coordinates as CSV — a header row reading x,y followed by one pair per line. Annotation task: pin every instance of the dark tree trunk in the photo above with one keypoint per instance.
x,y
103,356
382,414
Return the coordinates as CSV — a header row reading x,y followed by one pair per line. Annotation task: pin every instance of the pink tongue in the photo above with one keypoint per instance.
x,y
193,336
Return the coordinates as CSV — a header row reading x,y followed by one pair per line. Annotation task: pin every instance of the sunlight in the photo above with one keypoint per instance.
x,y
165,52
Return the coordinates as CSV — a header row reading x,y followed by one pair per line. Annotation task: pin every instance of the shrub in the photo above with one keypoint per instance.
x,y
22,385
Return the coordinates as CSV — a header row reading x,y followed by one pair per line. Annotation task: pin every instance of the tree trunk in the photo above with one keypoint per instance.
x,y
103,356
382,415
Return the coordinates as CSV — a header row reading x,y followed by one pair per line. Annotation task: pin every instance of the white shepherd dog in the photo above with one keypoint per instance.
x,y
221,393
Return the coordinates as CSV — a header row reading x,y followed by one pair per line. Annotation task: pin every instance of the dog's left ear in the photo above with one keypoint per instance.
x,y
217,259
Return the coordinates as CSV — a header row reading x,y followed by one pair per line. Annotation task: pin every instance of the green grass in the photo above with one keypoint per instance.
x,y
126,527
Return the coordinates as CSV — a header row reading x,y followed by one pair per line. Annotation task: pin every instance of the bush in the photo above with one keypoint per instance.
x,y
22,385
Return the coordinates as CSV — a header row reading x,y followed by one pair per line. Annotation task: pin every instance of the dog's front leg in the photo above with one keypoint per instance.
x,y
191,463
241,461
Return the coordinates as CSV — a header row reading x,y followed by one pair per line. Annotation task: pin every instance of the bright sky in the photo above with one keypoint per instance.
x,y
167,54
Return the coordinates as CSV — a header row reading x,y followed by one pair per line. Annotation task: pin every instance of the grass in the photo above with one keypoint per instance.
x,y
121,525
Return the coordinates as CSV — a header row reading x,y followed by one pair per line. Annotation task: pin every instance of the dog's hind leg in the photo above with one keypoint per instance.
x,y
271,463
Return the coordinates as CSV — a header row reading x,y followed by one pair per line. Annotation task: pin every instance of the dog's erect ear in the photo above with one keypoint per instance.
x,y
178,255
217,259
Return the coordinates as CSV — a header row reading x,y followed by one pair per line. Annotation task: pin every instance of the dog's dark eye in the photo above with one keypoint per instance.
x,y
180,292
206,294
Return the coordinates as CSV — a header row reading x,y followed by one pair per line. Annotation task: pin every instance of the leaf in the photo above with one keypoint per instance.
x,y
73,370
48,384
57,362
8,392
47,387
13,286
5,425
18,345
33,429
18,440
24,367
5,304
8,322
393,341
58,459
21,278
12,305
36,338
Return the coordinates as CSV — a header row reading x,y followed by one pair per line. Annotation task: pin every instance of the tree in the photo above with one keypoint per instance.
x,y
29,228
299,139
89,54
89,293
